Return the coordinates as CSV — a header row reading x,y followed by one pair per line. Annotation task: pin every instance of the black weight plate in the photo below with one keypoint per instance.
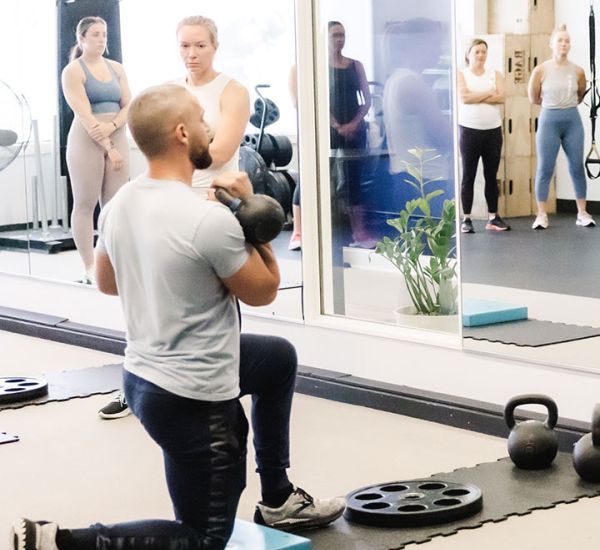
x,y
272,113
412,503
283,150
254,165
278,187
21,388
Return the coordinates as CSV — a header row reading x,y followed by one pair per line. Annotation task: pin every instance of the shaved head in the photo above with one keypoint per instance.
x,y
155,114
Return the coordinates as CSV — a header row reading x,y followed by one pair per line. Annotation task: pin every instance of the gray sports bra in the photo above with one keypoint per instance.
x,y
104,97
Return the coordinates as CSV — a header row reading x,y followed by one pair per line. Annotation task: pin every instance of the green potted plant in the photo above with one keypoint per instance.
x,y
423,250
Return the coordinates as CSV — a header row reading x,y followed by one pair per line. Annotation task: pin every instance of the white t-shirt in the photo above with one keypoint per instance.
x,y
479,116
209,96
170,250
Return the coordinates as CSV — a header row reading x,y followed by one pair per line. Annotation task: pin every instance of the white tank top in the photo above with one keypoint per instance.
x,y
209,96
559,86
479,116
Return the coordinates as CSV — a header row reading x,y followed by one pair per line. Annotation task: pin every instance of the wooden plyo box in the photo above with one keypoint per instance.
x,y
520,16
517,51
517,127
517,186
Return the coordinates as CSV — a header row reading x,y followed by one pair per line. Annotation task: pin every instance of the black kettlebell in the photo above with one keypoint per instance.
x,y
586,453
532,445
260,216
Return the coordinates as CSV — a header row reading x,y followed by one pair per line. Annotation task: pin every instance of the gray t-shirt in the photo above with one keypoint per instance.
x,y
170,249
559,86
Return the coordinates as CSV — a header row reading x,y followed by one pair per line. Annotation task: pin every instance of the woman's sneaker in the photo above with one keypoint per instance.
x,y
540,222
117,408
585,220
497,224
300,511
33,535
467,226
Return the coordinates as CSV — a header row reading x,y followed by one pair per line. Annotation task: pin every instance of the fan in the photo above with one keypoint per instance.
x,y
15,124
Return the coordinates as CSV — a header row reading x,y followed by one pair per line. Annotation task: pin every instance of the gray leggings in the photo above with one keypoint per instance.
x,y
559,127
92,179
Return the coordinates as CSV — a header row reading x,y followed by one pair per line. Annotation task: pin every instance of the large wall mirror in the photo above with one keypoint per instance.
x,y
548,278
387,174
256,47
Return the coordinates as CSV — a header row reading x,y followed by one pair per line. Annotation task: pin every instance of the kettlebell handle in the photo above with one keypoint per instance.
x,y
224,197
536,399
596,426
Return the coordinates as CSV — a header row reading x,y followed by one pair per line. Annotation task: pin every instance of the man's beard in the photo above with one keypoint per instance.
x,y
200,157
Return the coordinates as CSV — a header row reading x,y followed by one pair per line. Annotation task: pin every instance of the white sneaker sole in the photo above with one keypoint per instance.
x,y
122,414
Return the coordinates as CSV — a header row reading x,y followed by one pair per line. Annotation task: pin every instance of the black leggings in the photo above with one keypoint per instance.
x,y
476,144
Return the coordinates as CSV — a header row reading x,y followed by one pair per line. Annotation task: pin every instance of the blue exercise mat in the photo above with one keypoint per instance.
x,y
476,312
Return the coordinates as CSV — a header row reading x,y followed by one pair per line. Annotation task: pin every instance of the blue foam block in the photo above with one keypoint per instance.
x,y
488,312
250,536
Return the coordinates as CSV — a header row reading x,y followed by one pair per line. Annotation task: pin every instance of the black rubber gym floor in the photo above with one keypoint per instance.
x,y
564,259
507,491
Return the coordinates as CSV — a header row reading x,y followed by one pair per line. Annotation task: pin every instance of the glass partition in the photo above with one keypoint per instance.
x,y
387,199
257,48
15,133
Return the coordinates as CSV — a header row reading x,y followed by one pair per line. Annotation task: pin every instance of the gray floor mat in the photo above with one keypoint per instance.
x,y
507,491
66,385
530,333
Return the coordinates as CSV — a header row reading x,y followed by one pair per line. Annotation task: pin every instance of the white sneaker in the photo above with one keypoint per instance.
x,y
33,535
585,220
300,511
541,222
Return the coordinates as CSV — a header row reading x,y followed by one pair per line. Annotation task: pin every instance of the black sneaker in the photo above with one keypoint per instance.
x,y
467,226
117,408
33,535
497,224
300,511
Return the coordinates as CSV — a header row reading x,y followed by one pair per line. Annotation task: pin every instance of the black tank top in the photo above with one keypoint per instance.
x,y
345,99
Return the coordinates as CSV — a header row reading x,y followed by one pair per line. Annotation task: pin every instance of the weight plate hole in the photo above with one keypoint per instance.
x,y
412,508
413,496
431,486
368,496
25,384
14,390
14,380
393,488
376,505
456,492
447,502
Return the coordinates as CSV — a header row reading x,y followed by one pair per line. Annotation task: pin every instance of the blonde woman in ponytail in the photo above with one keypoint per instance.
x,y
558,85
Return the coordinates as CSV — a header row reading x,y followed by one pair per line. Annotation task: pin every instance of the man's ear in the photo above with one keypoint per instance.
x,y
181,133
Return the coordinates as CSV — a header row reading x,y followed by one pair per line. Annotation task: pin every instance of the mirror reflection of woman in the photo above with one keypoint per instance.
x,y
481,92
350,100
97,91
558,85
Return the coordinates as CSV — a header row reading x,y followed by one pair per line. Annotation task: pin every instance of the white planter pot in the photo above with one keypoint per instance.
x,y
407,316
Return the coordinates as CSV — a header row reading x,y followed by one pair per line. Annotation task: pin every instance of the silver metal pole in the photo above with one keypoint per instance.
x,y
35,220
40,175
64,196
56,164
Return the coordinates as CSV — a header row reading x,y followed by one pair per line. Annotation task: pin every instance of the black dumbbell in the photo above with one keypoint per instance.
x,y
260,216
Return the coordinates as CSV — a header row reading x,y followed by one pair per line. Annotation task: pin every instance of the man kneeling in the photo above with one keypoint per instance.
x,y
178,263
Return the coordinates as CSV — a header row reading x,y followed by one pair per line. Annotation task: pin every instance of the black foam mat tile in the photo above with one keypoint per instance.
x,y
530,333
66,385
507,491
